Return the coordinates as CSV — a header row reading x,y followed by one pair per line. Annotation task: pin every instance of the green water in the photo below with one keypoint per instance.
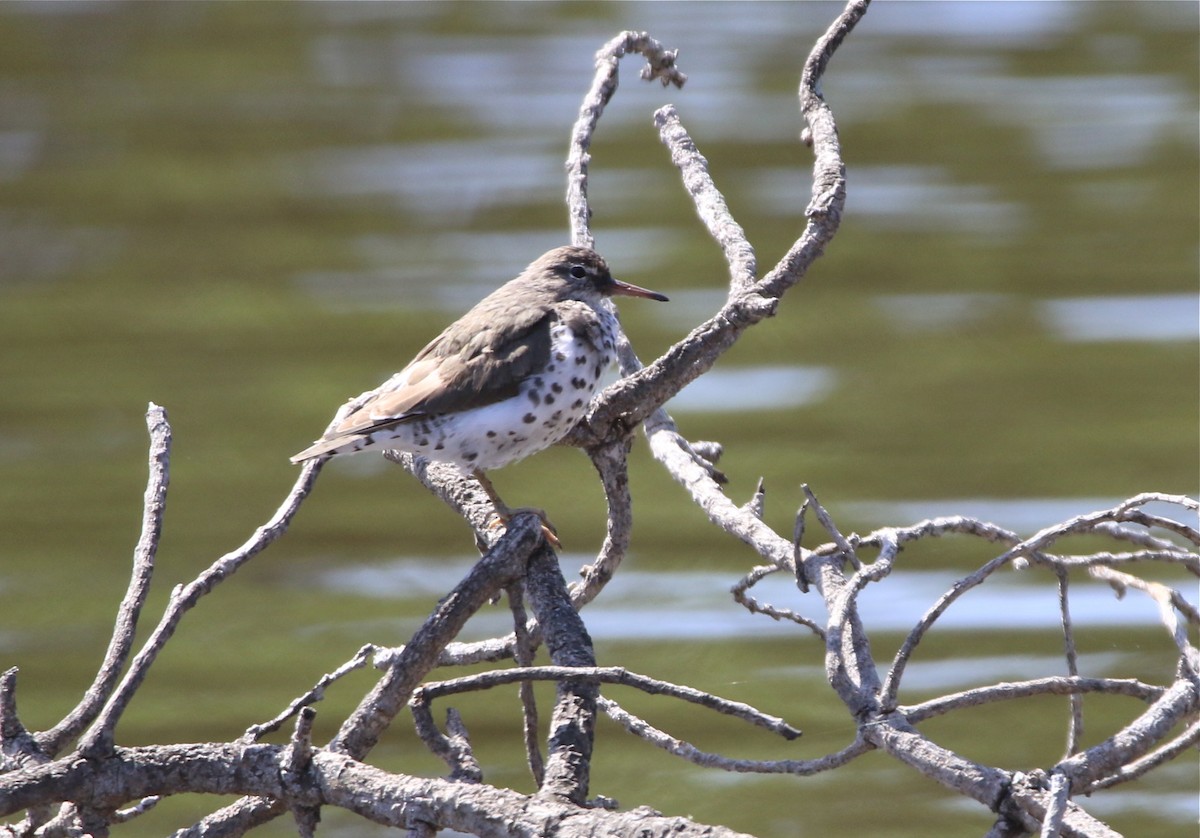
x,y
249,212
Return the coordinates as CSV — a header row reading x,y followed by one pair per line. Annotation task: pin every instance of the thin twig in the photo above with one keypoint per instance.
x,y
1060,794
660,65
608,675
644,730
1010,691
775,613
98,740
125,628
1143,765
1168,601
317,693
1075,725
524,657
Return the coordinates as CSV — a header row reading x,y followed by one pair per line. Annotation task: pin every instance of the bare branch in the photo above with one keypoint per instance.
x,y
1056,810
710,203
317,693
1141,766
611,462
99,737
487,578
1136,739
121,643
524,656
1075,727
607,675
660,65
573,722
644,730
1056,685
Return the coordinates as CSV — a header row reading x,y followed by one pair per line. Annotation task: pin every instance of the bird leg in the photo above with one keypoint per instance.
x,y
505,514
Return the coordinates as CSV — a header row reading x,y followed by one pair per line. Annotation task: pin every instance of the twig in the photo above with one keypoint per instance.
x,y
524,656
1009,691
140,808
453,749
799,554
1167,600
609,675
1188,561
709,202
121,642
1060,794
843,543
775,613
891,682
1075,725
98,740
660,65
317,693
644,730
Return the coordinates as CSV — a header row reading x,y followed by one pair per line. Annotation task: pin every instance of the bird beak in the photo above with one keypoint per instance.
x,y
626,289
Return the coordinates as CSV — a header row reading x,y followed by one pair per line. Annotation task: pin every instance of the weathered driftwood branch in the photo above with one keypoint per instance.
x,y
330,779
85,791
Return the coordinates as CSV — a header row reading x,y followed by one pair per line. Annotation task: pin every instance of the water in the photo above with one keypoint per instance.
x,y
249,212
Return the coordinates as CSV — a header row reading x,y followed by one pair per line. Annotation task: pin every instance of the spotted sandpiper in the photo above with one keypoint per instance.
x,y
506,380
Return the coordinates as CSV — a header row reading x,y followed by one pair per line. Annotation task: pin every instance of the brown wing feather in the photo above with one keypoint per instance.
x,y
462,368
478,360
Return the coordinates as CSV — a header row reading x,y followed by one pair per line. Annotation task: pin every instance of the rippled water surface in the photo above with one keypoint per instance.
x,y
249,212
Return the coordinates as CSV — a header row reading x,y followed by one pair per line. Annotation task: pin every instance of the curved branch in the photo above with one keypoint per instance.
x,y
606,675
1010,691
99,737
119,647
660,65
801,767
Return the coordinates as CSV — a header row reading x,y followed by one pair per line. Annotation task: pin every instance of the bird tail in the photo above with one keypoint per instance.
x,y
327,447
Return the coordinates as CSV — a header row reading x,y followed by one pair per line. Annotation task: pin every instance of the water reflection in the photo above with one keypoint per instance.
x,y
700,607
927,312
181,182
1158,317
445,181
754,388
926,198
1021,515
432,280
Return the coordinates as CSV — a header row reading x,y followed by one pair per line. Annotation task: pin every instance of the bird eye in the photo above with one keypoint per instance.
x,y
578,271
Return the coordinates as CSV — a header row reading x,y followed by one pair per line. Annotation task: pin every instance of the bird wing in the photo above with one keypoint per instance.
x,y
462,368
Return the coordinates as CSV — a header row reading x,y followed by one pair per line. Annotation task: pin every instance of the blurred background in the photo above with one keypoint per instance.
x,y
249,212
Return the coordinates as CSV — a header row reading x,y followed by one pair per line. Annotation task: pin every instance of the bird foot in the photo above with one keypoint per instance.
x,y
549,531
505,514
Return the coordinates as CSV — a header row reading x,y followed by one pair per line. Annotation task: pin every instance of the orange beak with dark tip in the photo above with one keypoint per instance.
x,y
626,289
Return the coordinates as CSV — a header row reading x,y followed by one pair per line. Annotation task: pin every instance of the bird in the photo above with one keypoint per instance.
x,y
506,380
